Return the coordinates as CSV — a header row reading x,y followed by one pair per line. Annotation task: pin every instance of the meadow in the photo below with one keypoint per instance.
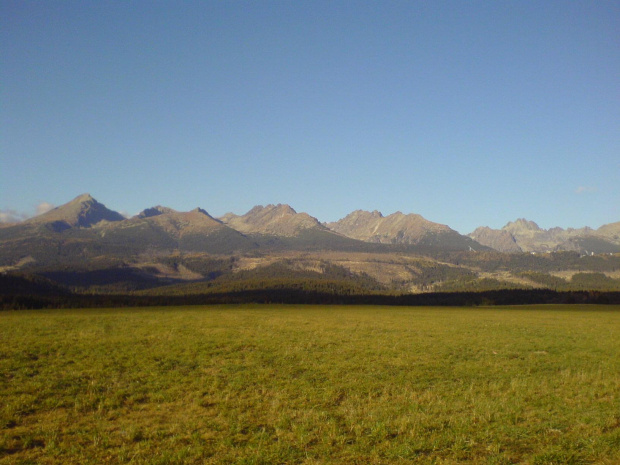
x,y
311,385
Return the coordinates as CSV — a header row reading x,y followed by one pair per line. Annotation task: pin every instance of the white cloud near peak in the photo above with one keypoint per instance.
x,y
44,207
13,216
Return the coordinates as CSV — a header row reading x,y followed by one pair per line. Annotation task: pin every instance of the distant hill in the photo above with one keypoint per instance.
x,y
399,228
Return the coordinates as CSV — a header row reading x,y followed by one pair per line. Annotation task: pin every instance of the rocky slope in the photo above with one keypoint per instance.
x,y
497,239
399,228
277,220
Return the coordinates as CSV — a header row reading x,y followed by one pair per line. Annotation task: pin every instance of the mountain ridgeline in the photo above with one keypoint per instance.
x,y
83,246
402,229
85,229
526,236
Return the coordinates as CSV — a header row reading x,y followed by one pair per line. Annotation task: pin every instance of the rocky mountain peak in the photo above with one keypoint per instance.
x,y
155,211
396,228
200,210
359,217
82,212
84,198
498,239
611,231
227,217
281,209
280,219
520,225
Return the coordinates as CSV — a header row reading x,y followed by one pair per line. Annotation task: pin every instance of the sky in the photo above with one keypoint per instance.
x,y
469,113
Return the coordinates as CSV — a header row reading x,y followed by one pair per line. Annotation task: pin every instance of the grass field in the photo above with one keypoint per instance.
x,y
311,385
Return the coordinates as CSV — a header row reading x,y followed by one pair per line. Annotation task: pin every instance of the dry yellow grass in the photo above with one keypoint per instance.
x,y
311,385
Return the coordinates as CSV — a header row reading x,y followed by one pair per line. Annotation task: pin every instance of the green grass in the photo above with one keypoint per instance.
x,y
311,385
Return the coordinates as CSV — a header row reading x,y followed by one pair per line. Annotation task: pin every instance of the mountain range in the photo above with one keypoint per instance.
x,y
168,228
85,245
85,227
526,236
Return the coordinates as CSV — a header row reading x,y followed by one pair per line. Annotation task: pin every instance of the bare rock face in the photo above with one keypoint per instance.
x,y
278,220
498,239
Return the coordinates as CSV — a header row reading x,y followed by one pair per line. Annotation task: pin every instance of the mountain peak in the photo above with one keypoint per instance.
x,y
521,224
280,219
396,228
361,216
83,198
155,211
271,209
285,209
202,212
82,212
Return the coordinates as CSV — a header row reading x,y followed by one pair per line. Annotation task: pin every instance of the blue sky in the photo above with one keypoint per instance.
x,y
468,113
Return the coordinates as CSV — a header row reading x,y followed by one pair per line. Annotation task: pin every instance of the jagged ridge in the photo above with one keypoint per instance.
x,y
277,220
399,228
526,236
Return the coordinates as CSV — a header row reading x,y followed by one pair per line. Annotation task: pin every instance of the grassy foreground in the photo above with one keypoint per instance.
x,y
312,385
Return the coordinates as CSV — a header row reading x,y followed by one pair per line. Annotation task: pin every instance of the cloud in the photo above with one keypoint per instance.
x,y
12,216
44,207
585,189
